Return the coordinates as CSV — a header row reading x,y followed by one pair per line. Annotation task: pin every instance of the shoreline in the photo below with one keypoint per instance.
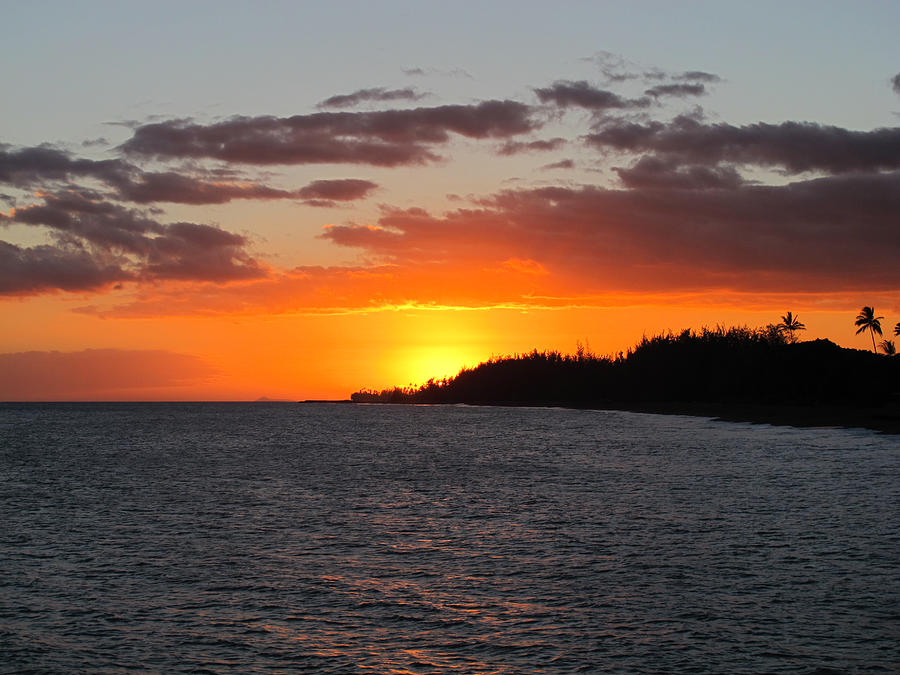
x,y
883,419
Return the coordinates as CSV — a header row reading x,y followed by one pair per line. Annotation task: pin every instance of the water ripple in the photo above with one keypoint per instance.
x,y
376,539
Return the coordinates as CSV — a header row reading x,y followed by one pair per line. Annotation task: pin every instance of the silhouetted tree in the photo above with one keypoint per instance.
x,y
888,347
721,365
789,324
897,329
867,321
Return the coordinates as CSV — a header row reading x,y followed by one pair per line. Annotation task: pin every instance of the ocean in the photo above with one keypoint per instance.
x,y
342,538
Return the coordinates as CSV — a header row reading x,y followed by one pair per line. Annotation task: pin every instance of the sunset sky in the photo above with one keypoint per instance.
x,y
225,201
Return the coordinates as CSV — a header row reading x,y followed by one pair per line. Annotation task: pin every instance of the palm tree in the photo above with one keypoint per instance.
x,y
790,323
867,321
897,329
888,347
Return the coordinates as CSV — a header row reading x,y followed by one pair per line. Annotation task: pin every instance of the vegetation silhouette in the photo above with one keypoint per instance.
x,y
888,347
722,366
790,324
897,329
867,321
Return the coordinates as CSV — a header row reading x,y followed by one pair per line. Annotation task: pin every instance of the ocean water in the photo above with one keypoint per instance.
x,y
236,538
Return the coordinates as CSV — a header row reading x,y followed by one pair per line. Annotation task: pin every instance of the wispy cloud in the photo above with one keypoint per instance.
x,y
562,164
566,94
376,94
516,147
677,90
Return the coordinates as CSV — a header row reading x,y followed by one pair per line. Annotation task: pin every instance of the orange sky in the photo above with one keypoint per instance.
x,y
383,222
298,356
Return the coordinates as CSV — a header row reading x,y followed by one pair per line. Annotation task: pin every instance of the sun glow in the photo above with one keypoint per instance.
x,y
437,362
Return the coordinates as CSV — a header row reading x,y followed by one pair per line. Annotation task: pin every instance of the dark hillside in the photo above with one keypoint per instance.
x,y
722,365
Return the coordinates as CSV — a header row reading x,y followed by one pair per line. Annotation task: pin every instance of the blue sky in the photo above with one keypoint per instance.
x,y
70,67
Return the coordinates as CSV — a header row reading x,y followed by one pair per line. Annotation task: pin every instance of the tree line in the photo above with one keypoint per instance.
x,y
721,364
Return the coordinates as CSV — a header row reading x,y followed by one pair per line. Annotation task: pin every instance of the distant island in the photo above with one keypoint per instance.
x,y
737,373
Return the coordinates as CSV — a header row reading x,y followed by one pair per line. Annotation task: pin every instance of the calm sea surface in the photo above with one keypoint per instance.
x,y
398,539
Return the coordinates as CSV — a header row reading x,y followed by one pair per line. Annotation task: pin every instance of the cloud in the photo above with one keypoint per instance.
x,y
96,374
379,94
94,142
169,186
678,90
27,271
565,94
42,166
827,234
793,146
655,173
895,83
617,69
516,147
97,243
614,67
697,76
562,164
344,189
381,138
28,166
423,72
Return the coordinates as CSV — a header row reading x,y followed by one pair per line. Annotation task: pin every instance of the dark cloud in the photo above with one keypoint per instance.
x,y
895,83
655,173
97,243
30,166
381,138
344,189
27,271
793,146
697,76
94,142
39,167
690,76
188,251
581,94
379,94
174,187
516,147
677,90
835,233
562,164
95,374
